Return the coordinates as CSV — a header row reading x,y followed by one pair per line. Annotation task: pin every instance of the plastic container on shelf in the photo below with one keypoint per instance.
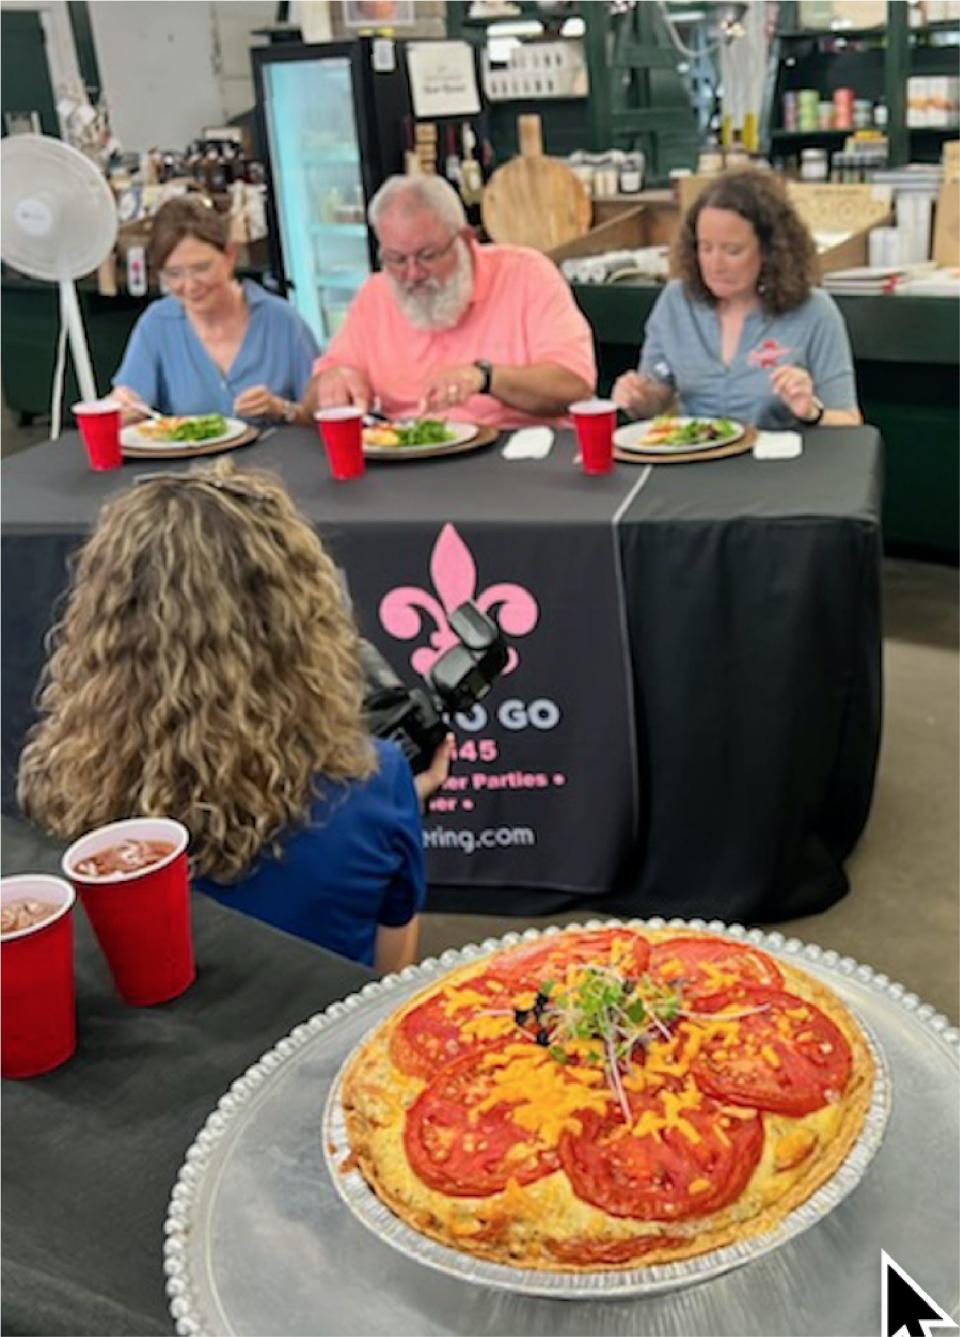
x,y
813,165
862,113
808,109
824,115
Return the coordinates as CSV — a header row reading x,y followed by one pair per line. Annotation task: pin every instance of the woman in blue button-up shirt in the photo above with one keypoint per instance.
x,y
215,345
743,333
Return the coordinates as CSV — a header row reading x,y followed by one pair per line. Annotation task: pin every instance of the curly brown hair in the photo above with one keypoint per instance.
x,y
206,669
789,265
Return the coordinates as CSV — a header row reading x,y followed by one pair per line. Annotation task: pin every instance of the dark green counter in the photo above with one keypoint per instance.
x,y
907,354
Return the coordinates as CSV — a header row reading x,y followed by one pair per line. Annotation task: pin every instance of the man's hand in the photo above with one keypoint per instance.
x,y
429,781
335,387
258,402
795,387
449,387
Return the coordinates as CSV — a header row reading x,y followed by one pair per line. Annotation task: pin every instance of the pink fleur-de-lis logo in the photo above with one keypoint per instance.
x,y
767,354
405,611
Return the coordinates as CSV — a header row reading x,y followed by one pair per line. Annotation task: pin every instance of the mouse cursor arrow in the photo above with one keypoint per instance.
x,y
906,1307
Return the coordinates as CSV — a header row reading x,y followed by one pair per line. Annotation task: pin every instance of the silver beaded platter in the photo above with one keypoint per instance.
x,y
262,1238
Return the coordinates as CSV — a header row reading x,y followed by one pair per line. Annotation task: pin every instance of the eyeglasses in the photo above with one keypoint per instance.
x,y
425,258
183,272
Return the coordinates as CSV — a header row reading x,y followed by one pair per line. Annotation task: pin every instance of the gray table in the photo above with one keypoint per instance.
x,y
91,1151
751,604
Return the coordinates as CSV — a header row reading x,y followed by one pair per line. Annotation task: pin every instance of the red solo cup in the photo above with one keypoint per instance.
x,y
341,430
594,421
141,919
39,1030
99,423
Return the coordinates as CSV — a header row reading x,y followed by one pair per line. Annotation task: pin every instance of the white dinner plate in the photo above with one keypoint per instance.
x,y
132,436
631,437
462,432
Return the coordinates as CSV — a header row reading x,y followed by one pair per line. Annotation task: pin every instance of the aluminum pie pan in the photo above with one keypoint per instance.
x,y
653,1279
186,1248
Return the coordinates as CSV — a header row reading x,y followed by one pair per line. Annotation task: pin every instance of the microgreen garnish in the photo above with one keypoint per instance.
x,y
622,1014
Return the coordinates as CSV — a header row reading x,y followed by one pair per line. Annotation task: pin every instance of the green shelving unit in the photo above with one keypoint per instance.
x,y
877,68
637,98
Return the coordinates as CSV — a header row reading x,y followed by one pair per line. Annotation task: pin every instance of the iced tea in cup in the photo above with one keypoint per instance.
x,y
594,421
99,423
341,430
36,974
132,881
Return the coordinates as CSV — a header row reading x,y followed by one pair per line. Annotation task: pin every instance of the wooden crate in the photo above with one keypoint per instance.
x,y
621,225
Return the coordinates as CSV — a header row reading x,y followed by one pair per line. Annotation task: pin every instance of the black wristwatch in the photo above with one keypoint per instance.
x,y
487,369
819,411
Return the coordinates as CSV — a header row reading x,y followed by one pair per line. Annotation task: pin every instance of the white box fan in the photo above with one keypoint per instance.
x,y
59,222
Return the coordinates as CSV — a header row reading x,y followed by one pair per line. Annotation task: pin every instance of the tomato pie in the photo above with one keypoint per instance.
x,y
607,1098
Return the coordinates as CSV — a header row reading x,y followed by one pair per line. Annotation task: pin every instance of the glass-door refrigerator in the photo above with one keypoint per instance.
x,y
331,129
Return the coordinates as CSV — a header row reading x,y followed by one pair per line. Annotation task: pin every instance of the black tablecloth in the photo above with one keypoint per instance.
x,y
751,603
92,1150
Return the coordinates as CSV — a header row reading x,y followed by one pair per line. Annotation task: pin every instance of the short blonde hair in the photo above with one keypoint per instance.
x,y
205,669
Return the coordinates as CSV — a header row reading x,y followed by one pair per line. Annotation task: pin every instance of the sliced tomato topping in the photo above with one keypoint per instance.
x,y
712,966
788,1057
666,1173
461,1143
451,1023
548,958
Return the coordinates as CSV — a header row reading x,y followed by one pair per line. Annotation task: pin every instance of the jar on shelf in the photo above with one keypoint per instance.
x,y
824,115
843,108
808,104
790,111
863,113
813,165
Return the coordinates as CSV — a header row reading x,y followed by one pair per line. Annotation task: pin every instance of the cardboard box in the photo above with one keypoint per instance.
x,y
951,160
946,228
847,211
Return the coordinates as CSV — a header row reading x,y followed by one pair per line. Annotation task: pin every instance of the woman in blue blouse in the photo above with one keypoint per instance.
x,y
215,345
206,669
743,333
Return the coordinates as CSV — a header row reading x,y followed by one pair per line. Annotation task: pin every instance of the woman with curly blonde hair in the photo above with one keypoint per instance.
x,y
743,333
206,668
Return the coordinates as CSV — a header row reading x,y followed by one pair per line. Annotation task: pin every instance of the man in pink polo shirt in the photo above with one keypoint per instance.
x,y
480,334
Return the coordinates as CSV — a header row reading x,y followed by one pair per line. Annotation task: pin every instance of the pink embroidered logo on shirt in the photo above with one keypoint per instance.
x,y
767,354
405,610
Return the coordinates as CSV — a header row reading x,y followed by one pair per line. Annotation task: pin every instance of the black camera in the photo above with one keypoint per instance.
x,y
416,718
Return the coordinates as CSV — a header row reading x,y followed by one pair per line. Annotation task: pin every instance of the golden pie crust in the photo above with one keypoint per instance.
x,y
543,1224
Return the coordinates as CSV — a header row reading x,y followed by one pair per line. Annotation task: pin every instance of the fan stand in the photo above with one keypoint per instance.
x,y
71,321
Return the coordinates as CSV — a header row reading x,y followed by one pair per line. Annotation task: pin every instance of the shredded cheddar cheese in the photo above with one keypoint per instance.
x,y
545,1096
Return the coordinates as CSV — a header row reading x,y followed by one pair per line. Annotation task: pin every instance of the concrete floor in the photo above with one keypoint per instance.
x,y
902,914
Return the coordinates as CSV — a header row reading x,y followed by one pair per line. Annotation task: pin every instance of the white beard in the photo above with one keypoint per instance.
x,y
436,304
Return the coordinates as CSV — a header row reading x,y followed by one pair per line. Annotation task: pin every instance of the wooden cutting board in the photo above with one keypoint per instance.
x,y
535,201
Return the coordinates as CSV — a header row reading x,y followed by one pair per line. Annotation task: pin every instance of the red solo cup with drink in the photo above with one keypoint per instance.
x,y
39,1029
99,423
132,881
594,421
341,430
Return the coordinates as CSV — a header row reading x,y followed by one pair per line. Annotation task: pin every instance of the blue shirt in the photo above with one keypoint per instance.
x,y
358,863
171,370
682,348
